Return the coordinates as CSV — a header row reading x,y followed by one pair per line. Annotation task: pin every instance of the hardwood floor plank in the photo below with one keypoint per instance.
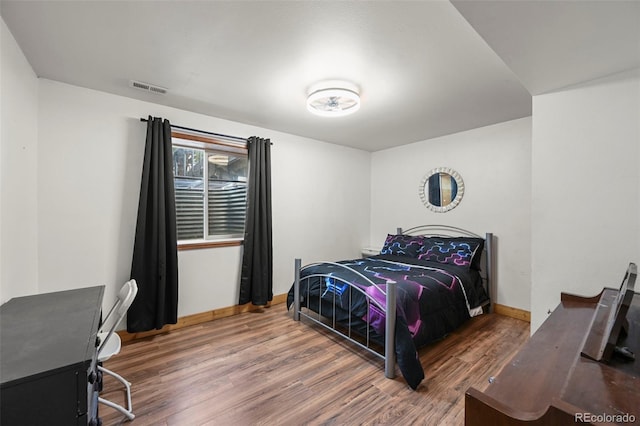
x,y
262,368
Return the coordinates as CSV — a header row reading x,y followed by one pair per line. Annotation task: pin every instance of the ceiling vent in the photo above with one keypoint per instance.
x,y
147,87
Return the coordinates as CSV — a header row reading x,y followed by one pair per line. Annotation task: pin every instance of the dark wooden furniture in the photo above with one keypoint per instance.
x,y
48,358
552,382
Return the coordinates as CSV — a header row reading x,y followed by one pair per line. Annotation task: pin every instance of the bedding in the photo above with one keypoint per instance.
x,y
402,245
433,299
459,251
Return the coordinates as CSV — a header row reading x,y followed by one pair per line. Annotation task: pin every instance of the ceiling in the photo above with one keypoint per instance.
x,y
423,68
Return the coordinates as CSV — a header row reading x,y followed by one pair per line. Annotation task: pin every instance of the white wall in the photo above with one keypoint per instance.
x,y
494,162
90,155
561,192
19,171
586,189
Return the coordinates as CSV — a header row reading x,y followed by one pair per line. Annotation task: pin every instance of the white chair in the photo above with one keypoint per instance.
x,y
110,343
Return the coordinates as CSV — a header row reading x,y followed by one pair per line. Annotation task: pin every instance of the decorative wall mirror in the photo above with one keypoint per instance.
x,y
441,189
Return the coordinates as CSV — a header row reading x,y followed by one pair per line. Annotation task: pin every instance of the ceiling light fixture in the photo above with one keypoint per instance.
x,y
333,102
219,159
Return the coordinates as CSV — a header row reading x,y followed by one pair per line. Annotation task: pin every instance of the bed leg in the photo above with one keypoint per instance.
x,y
390,332
296,290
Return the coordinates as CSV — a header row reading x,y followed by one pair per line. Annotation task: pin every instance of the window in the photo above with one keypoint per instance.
x,y
210,178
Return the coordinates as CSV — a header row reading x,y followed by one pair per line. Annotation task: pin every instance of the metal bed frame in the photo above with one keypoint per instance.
x,y
330,323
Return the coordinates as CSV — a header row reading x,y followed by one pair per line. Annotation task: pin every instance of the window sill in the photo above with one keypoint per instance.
x,y
203,244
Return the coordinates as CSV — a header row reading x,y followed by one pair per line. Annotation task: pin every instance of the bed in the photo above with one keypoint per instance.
x,y
426,282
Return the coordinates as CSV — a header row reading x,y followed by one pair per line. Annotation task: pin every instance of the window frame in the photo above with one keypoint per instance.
x,y
189,140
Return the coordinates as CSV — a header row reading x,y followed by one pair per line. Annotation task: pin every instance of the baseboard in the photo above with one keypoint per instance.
x,y
194,319
516,313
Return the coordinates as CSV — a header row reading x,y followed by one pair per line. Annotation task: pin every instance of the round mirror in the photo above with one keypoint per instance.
x,y
441,189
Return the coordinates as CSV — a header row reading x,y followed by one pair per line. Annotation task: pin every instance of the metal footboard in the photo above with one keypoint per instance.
x,y
389,311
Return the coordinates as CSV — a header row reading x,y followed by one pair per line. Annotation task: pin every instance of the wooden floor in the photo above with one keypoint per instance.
x,y
262,368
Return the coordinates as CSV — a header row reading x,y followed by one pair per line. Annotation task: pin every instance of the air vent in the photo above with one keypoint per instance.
x,y
147,87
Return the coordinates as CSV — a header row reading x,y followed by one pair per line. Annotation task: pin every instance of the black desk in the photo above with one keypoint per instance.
x,y
47,357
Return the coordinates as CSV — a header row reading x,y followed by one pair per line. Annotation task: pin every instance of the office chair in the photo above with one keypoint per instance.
x,y
110,343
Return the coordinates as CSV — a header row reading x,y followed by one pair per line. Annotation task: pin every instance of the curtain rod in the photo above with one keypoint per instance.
x,y
202,131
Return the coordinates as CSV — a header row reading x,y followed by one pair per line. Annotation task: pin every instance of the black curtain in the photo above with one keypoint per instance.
x,y
256,280
155,251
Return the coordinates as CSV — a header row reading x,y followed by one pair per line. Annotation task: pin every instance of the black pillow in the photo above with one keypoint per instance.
x,y
460,251
402,245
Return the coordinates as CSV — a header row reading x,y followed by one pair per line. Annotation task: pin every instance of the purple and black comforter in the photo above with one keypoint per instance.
x,y
433,299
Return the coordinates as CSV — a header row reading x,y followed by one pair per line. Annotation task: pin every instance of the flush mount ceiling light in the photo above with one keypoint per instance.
x,y
219,159
333,102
